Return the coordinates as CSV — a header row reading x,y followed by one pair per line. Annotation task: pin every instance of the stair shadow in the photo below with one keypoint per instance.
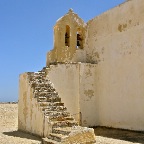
x,y
125,135
21,134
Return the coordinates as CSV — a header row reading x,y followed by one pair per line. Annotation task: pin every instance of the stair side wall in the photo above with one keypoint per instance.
x,y
30,116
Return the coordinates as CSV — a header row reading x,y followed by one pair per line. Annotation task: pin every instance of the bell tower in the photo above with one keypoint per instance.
x,y
69,34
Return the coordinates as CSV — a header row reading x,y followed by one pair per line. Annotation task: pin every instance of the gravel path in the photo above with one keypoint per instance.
x,y
10,135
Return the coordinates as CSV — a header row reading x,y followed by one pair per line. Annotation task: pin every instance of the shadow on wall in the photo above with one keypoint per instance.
x,y
21,134
125,135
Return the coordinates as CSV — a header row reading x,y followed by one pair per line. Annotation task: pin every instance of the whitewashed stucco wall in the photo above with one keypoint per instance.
x,y
65,78
75,84
115,40
88,94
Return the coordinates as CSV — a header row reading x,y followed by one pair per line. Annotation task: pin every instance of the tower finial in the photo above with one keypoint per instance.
x,y
70,10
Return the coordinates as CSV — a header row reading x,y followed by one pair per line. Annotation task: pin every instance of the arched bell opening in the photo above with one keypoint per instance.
x,y
67,36
79,39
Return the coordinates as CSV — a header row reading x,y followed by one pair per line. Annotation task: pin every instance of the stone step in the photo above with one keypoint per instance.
x,y
42,99
43,104
39,73
47,99
49,96
74,135
56,137
58,117
59,114
44,84
37,78
54,94
77,135
66,123
41,87
45,93
45,89
56,104
63,131
49,104
49,141
55,108
56,113
38,81
69,118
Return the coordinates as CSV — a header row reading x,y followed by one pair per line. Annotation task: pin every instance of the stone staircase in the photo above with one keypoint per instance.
x,y
65,129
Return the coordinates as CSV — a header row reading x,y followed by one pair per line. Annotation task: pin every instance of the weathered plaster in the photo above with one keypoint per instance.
x,y
114,41
65,78
61,52
75,84
30,116
104,84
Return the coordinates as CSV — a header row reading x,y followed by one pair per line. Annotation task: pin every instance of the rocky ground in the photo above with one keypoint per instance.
x,y
10,135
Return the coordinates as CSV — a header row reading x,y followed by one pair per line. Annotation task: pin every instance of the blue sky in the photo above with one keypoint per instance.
x,y
26,35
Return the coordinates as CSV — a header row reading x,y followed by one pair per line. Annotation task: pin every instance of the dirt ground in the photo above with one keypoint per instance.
x,y
10,135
